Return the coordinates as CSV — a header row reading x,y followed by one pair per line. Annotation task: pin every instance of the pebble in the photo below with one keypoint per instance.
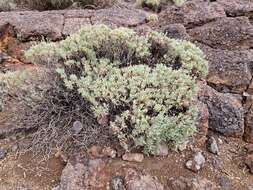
x,y
133,157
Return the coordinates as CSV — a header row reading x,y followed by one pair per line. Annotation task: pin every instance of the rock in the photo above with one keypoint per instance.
x,y
84,174
29,25
162,150
197,183
191,14
77,127
133,157
3,153
117,183
212,146
249,162
236,7
177,31
229,71
137,181
226,114
75,19
95,151
225,33
202,125
225,183
108,151
196,163
115,17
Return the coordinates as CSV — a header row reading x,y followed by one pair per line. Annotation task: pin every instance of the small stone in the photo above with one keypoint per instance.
x,y
95,151
117,183
3,153
162,150
212,146
196,163
108,151
77,127
133,157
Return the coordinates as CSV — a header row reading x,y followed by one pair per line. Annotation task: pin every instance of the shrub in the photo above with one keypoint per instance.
x,y
144,86
156,5
62,4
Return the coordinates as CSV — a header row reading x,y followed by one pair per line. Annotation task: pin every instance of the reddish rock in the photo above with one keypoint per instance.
x,y
133,157
191,13
237,7
197,183
119,17
202,125
89,174
136,181
226,113
73,25
31,25
225,33
229,71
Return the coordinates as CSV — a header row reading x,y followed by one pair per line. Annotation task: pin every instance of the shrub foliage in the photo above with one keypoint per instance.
x,y
144,86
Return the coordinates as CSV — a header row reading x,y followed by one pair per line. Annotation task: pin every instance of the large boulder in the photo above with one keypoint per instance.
x,y
237,7
30,25
191,13
229,71
225,33
226,113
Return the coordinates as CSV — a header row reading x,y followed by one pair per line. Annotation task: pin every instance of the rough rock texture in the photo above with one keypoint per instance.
x,y
196,163
249,162
202,126
225,33
191,13
80,174
135,181
177,31
32,25
54,25
229,71
226,114
248,135
197,183
237,7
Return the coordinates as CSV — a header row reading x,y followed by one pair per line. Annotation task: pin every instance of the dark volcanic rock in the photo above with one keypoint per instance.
x,y
191,13
197,183
229,71
226,114
119,17
30,25
237,7
225,33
